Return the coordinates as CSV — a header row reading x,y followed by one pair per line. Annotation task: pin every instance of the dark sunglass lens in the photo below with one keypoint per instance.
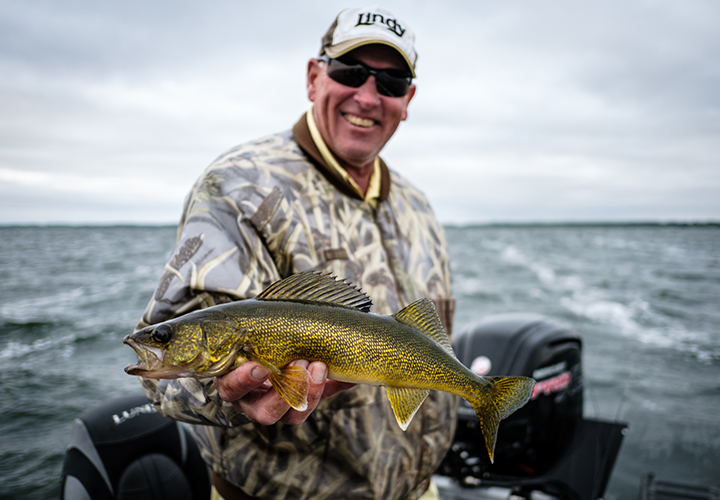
x,y
391,86
389,82
352,75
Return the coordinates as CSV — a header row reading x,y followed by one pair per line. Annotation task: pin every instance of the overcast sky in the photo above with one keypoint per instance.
x,y
543,110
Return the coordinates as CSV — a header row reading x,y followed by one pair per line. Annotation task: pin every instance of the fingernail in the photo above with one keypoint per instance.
x,y
319,372
260,373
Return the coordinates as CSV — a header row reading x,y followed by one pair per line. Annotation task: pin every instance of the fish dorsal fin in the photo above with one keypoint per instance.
x,y
316,287
422,315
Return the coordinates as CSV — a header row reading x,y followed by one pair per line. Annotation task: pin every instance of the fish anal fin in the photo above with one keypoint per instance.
x,y
423,316
494,403
405,403
291,383
316,287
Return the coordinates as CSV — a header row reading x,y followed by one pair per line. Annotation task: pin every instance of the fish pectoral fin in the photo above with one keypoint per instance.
x,y
224,364
291,383
251,354
405,403
221,334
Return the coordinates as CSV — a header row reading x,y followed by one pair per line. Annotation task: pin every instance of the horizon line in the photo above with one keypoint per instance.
x,y
455,225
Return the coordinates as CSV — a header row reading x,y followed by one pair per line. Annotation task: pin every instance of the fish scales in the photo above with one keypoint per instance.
x,y
317,318
347,341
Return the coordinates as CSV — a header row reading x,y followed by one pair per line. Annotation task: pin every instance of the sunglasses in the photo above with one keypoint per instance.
x,y
347,71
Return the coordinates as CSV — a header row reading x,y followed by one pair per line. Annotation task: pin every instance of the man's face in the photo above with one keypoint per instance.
x,y
357,122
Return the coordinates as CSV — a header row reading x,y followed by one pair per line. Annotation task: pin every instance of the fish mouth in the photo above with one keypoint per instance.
x,y
150,359
151,363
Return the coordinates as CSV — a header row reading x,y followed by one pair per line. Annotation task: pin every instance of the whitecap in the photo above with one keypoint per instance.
x,y
464,285
545,274
603,311
623,320
36,308
14,349
512,255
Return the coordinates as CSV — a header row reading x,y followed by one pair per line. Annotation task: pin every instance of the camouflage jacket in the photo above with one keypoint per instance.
x,y
263,211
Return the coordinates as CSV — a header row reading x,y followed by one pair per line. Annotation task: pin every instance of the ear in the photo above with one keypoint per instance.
x,y
408,98
314,72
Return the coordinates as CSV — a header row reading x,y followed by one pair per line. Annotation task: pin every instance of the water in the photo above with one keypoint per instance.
x,y
644,298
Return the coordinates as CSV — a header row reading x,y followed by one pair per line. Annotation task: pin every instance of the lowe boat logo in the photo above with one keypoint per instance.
x,y
132,413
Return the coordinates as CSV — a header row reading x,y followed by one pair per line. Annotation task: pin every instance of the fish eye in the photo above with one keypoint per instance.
x,y
162,334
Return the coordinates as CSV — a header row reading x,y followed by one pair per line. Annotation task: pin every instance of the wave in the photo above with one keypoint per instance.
x,y
635,318
38,309
545,274
625,320
29,325
15,349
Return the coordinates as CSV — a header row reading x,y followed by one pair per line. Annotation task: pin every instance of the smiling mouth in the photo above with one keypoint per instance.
x,y
359,121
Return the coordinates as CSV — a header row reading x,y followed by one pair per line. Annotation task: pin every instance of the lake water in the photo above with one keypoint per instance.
x,y
645,299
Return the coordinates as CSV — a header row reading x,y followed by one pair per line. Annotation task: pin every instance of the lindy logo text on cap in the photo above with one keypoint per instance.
x,y
370,19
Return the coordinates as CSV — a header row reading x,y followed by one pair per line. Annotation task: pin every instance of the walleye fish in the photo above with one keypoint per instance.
x,y
318,318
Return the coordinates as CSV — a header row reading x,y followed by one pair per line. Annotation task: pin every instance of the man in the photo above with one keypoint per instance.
x,y
315,198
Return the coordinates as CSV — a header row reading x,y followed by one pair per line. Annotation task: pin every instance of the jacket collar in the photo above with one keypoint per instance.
x,y
304,139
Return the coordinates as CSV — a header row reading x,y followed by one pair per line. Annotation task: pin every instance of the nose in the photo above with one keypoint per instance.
x,y
367,95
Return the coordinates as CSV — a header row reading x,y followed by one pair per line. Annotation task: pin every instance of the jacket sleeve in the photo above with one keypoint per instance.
x,y
218,258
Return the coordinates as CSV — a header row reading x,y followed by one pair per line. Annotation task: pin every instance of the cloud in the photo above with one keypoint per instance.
x,y
551,110
49,197
133,189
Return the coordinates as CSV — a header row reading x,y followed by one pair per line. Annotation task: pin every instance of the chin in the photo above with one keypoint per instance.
x,y
357,152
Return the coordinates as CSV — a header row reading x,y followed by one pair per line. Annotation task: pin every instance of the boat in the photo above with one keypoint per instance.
x,y
546,446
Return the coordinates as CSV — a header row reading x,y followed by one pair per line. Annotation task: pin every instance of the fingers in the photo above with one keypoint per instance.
x,y
248,390
241,381
332,387
316,383
265,408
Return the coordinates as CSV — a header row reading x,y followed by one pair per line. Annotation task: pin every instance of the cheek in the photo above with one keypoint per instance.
x,y
396,110
329,95
185,349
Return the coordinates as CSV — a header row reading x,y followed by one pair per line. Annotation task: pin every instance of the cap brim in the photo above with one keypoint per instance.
x,y
342,48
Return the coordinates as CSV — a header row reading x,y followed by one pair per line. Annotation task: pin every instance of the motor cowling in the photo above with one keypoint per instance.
x,y
124,450
531,440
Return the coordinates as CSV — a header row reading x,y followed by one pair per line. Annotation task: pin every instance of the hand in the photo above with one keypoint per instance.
x,y
247,388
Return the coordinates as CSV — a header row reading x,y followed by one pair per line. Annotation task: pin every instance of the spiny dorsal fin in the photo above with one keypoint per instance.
x,y
315,287
422,315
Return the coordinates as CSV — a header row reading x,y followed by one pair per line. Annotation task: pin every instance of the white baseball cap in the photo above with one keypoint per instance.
x,y
356,27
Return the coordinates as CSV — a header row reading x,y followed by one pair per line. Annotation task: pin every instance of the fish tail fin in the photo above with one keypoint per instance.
x,y
499,400
292,384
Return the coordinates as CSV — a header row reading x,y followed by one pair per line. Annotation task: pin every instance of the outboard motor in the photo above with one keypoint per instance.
x,y
125,450
531,440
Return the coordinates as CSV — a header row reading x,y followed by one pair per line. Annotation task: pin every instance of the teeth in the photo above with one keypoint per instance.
x,y
360,122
